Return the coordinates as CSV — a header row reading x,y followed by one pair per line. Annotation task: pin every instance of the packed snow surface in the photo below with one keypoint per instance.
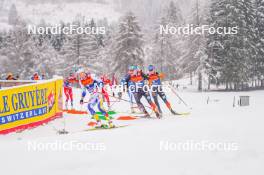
x,y
139,148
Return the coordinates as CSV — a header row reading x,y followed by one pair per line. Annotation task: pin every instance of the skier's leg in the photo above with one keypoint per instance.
x,y
164,98
130,95
155,97
138,96
153,106
101,109
67,97
91,104
106,96
90,109
71,96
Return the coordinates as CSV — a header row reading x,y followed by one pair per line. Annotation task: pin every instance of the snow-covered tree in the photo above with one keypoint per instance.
x,y
231,54
194,60
46,59
89,48
12,15
258,65
107,53
128,48
168,47
81,49
20,51
58,40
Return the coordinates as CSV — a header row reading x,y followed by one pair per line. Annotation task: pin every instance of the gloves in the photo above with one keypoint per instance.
x,y
119,95
81,101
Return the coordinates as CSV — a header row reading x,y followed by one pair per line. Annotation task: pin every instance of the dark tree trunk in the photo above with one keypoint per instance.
x,y
209,82
200,81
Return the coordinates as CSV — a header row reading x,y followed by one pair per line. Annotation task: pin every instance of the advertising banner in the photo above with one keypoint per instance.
x,y
30,105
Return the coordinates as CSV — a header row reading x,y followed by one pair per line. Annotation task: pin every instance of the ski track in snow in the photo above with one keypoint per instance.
x,y
136,149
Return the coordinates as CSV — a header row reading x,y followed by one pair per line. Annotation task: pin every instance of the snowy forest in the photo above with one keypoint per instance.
x,y
233,61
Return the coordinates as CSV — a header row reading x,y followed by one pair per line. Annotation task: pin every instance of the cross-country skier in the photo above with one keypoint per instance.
x,y
10,77
68,82
35,76
106,81
136,81
128,84
94,86
114,83
154,79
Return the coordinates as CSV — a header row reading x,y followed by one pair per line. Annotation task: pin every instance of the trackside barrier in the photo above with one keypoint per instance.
x,y
10,83
30,105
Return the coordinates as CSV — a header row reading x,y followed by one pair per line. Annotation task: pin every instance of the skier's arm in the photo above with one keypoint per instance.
x,y
125,81
83,92
161,75
99,83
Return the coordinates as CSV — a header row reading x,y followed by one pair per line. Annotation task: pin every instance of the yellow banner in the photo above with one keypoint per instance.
x,y
29,104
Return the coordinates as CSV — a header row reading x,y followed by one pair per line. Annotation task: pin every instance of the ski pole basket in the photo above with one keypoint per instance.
x,y
243,100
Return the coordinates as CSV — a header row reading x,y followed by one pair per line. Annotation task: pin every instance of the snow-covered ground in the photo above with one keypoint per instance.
x,y
140,148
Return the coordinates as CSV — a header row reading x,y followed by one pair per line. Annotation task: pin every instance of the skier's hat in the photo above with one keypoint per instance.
x,y
132,68
151,67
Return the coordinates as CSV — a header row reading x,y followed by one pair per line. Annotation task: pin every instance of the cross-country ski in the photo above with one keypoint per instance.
x,y
131,87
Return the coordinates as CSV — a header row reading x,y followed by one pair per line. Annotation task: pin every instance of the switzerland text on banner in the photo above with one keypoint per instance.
x,y
30,105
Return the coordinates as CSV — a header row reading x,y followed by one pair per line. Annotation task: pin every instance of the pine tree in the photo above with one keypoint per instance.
x,y
81,49
167,47
129,45
89,48
194,60
70,52
12,15
20,52
46,59
232,53
58,40
106,53
259,39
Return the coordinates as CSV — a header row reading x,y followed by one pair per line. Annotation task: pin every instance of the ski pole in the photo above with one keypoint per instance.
x,y
175,93
128,101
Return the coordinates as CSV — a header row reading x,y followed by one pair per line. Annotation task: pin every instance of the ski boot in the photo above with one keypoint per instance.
x,y
99,124
146,115
110,124
158,115
72,105
98,121
66,105
173,112
132,110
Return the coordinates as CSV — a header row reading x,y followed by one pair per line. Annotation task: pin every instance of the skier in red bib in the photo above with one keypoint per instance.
x,y
137,87
106,82
93,85
154,79
68,83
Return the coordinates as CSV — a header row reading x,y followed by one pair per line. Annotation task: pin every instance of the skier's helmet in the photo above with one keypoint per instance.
x,y
82,75
151,68
132,68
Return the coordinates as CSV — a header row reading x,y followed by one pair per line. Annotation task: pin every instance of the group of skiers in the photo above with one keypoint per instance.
x,y
35,76
135,83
